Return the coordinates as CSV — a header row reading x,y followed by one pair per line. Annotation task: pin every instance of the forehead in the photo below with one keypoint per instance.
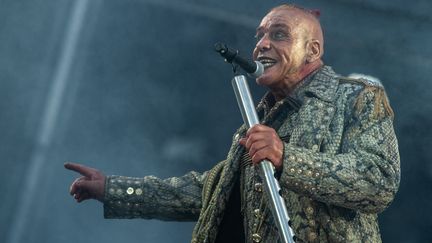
x,y
280,17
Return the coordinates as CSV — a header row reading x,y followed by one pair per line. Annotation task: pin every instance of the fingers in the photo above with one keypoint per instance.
x,y
258,128
272,156
267,154
82,196
81,184
262,142
258,157
256,134
83,170
81,189
75,187
256,146
261,137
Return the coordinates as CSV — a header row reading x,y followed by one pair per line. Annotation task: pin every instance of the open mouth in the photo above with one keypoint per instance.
x,y
267,62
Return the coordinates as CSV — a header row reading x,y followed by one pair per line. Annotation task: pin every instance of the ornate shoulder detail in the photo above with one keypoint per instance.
x,y
361,79
371,94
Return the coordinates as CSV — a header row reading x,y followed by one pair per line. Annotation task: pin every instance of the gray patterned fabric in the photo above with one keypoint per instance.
x,y
341,167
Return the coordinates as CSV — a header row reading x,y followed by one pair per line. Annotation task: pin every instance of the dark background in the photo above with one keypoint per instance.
x,y
133,87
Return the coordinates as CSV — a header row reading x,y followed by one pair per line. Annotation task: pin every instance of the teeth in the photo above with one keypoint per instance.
x,y
266,60
268,64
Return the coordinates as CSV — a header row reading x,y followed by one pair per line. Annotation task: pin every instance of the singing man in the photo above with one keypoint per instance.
x,y
330,139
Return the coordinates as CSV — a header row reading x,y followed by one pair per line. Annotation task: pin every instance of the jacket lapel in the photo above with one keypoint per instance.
x,y
317,111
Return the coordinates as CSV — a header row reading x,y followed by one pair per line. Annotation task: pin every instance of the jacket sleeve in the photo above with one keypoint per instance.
x,y
365,175
176,198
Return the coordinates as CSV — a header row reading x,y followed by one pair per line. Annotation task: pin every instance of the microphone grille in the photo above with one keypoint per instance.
x,y
259,70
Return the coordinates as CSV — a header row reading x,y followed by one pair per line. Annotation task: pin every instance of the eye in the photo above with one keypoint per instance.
x,y
278,35
258,36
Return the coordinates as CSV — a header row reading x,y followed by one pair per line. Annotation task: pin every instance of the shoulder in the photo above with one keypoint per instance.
x,y
366,92
336,84
361,80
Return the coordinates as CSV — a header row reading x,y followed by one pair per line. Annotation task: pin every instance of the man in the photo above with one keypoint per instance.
x,y
330,139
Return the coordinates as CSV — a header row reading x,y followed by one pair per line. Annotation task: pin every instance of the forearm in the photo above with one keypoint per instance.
x,y
365,183
364,176
177,198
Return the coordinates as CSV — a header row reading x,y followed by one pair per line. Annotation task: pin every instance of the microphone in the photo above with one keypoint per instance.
x,y
254,69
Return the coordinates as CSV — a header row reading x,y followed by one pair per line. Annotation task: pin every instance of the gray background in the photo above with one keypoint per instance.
x,y
133,87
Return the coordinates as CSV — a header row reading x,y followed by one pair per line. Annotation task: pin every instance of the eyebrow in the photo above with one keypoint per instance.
x,y
277,25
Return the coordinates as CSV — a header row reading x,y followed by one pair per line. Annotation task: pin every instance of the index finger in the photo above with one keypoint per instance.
x,y
256,128
83,170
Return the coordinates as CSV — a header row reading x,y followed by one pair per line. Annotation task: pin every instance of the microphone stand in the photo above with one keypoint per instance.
x,y
266,169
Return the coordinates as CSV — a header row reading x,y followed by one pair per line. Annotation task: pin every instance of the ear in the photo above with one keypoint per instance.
x,y
314,51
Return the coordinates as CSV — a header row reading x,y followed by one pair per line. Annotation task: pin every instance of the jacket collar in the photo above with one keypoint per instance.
x,y
321,84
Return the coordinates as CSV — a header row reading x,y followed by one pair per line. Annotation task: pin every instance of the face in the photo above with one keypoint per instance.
x,y
281,48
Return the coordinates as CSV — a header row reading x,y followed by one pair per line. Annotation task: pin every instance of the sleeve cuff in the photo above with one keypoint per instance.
x,y
123,197
302,171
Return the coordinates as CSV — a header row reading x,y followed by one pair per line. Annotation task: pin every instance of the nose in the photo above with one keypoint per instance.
x,y
264,43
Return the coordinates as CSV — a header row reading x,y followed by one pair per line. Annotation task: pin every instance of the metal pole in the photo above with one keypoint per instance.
x,y
272,188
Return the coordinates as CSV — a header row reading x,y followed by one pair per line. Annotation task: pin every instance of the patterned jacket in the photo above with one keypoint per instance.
x,y
340,168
